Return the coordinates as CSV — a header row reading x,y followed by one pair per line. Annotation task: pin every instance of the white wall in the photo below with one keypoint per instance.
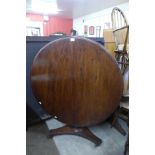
x,y
98,19
34,24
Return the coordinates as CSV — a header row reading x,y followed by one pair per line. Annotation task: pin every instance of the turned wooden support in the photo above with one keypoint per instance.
x,y
82,132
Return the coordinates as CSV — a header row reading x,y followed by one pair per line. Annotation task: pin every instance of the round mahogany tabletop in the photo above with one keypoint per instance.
x,y
76,80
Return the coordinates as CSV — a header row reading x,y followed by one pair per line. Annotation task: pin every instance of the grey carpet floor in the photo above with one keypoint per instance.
x,y
38,143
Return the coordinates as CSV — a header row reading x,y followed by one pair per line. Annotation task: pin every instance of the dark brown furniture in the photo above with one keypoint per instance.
x,y
121,34
33,45
76,80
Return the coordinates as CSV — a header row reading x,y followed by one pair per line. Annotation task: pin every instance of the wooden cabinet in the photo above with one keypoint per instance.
x,y
109,44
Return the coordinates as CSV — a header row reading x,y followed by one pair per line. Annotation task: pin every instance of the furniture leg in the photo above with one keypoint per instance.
x,y
82,132
116,124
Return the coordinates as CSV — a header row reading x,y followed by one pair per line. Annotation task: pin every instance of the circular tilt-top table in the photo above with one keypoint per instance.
x,y
76,80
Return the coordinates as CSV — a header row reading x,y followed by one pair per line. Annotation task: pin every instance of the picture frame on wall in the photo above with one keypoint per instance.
x,y
107,25
33,31
98,31
85,30
91,30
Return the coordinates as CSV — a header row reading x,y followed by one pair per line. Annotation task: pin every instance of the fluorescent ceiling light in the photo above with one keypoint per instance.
x,y
46,7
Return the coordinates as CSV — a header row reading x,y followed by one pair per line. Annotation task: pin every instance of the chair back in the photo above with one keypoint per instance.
x,y
121,33
120,29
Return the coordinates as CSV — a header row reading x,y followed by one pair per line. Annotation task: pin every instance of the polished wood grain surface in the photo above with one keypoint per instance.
x,y
76,80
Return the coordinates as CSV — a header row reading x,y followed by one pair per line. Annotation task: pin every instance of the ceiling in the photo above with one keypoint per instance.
x,y
76,8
